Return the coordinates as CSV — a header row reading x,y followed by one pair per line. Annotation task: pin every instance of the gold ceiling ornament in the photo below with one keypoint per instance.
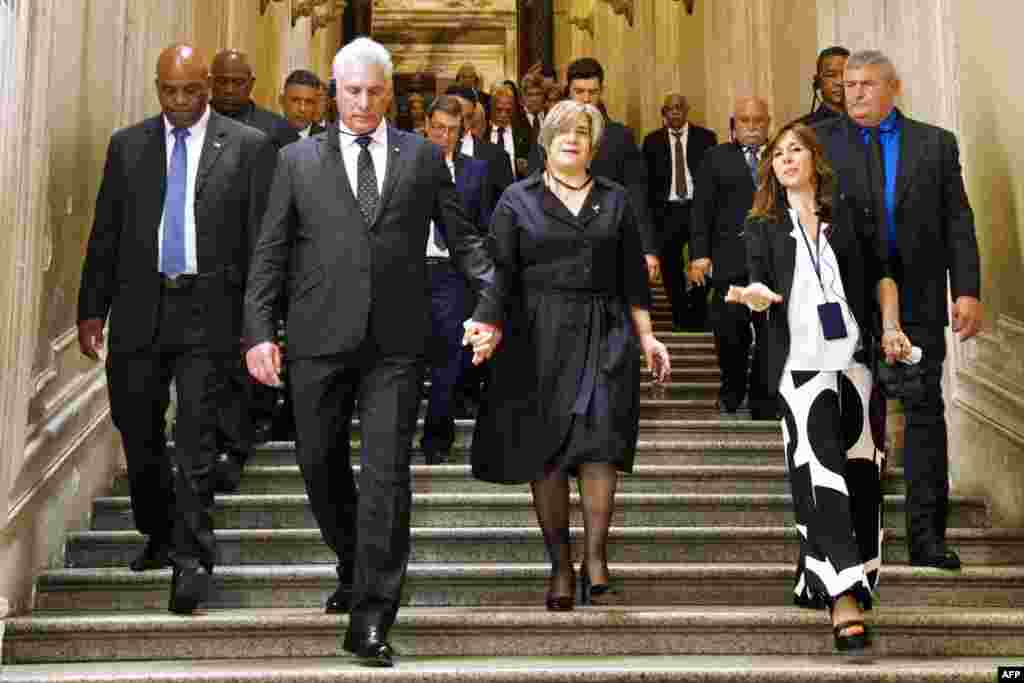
x,y
689,4
328,13
305,8
624,7
583,22
264,4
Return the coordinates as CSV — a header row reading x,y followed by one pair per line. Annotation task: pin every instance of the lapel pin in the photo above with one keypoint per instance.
x,y
218,145
597,207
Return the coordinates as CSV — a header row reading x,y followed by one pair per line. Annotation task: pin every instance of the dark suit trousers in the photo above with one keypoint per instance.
x,y
689,307
450,301
367,528
139,384
925,444
733,337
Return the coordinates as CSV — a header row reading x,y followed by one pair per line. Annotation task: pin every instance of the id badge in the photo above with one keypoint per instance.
x,y
832,324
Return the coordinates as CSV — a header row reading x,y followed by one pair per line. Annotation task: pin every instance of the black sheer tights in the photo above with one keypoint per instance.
x,y
597,492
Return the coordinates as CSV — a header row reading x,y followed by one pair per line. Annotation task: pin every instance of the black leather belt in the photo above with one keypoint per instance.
x,y
186,280
680,202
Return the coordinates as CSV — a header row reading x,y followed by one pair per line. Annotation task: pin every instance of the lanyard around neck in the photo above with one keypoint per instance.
x,y
815,262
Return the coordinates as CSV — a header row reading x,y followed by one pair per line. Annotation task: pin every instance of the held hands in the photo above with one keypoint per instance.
x,y
896,346
90,337
967,317
699,271
264,363
483,338
657,357
757,297
653,268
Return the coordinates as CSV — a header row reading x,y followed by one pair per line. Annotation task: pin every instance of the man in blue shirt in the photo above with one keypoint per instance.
x,y
901,179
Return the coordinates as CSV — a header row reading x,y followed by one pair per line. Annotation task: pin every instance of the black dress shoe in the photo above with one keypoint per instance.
x,y
939,558
340,599
189,587
156,555
227,473
370,649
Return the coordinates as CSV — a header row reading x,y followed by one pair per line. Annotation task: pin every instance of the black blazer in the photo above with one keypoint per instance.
x,y
120,275
344,280
934,220
619,159
722,198
499,167
276,127
520,141
771,259
658,155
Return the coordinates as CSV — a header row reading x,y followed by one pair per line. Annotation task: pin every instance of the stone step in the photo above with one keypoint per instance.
x,y
483,631
703,360
285,511
522,584
719,545
458,478
526,669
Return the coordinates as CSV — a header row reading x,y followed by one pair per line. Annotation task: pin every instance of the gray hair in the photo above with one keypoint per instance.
x,y
863,58
565,112
365,52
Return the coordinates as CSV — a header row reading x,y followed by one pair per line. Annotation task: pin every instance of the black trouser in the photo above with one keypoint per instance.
x,y
733,337
925,447
689,307
367,528
139,384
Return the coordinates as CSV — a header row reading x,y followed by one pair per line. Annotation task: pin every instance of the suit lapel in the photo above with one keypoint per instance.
x,y
338,178
786,253
910,154
216,139
154,165
399,155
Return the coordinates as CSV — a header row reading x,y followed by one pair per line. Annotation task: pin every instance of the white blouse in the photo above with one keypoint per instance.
x,y
808,348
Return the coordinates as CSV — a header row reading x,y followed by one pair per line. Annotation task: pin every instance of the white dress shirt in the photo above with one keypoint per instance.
x,y
506,143
808,348
193,151
432,250
378,152
467,145
672,196
530,118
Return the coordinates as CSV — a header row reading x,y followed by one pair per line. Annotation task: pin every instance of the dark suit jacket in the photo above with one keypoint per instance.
x,y
474,191
276,127
771,258
120,275
934,220
658,155
819,115
499,167
347,281
315,129
619,159
520,141
723,195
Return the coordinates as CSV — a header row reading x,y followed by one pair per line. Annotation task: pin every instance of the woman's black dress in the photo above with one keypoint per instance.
x,y
565,382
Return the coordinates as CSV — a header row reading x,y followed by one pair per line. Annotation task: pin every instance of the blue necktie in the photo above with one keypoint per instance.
x,y
172,248
751,153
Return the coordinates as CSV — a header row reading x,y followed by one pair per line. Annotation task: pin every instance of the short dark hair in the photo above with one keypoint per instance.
x,y
447,104
588,67
461,91
303,77
834,51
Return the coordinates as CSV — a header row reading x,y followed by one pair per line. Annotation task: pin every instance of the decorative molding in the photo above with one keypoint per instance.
x,y
305,8
689,4
326,14
264,4
626,8
584,23
990,380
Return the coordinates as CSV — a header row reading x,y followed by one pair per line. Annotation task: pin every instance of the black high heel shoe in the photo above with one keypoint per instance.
x,y
589,591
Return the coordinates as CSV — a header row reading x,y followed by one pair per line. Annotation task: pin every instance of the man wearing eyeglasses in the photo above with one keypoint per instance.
x,y
451,300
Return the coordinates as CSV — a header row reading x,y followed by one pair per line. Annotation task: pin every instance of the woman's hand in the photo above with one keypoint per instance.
x,y
657,357
757,297
483,338
895,345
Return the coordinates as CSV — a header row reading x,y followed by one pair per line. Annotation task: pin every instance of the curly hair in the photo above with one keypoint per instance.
x,y
770,200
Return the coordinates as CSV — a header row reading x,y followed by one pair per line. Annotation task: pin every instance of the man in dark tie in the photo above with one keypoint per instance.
x,y
673,155
467,77
499,164
345,235
231,81
506,132
828,80
300,102
901,180
176,217
451,299
725,187
533,103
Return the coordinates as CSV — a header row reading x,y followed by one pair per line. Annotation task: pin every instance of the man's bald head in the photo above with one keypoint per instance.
x,y
752,120
675,110
231,78
182,85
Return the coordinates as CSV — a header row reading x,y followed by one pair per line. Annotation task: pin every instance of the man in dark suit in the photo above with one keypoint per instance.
x,y
451,300
673,155
618,157
499,164
231,80
345,234
828,80
467,77
507,132
901,179
176,215
300,102
534,94
724,195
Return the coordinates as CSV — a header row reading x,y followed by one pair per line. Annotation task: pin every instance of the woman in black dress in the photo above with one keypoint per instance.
x,y
564,396
827,287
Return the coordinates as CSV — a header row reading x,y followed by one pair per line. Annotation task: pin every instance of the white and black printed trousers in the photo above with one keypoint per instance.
x,y
835,460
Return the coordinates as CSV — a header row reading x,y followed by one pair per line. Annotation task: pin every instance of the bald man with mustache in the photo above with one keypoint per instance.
x,y
177,216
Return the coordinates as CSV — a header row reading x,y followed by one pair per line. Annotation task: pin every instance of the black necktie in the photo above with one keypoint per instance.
x,y
876,169
680,166
366,181
501,137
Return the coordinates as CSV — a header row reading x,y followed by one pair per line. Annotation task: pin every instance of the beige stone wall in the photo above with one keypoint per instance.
x,y
71,72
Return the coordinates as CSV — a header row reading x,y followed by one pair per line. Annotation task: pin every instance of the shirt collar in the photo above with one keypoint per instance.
x,y
890,124
684,130
197,128
379,135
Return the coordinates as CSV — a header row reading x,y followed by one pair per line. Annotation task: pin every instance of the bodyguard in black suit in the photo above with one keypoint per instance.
x,y
673,155
902,178
828,80
177,212
344,236
724,195
507,132
300,102
231,80
499,163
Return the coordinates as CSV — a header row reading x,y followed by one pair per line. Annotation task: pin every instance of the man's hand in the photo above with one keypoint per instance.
x,y
90,337
757,296
699,270
653,268
264,363
482,337
967,317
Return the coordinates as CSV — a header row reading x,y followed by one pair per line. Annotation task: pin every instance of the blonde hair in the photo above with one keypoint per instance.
x,y
563,114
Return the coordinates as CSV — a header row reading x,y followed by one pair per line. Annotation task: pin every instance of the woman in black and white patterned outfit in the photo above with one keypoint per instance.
x,y
825,284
